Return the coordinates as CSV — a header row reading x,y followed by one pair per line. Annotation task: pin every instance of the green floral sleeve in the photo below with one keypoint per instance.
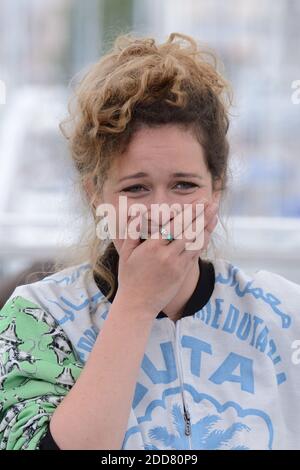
x,y
37,369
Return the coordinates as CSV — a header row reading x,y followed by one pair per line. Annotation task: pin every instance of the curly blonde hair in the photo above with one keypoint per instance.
x,y
141,83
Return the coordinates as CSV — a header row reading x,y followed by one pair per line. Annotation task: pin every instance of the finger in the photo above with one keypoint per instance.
x,y
192,216
184,220
189,226
196,236
202,234
208,232
132,235
210,227
197,242
206,241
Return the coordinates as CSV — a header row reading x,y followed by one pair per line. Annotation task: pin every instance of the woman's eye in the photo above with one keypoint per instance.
x,y
133,189
187,185
138,187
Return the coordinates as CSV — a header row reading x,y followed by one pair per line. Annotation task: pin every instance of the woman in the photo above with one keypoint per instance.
x,y
148,345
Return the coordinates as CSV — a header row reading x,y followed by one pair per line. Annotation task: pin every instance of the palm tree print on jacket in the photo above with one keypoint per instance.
x,y
203,436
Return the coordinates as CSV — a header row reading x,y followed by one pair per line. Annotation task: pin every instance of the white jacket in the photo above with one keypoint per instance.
x,y
226,377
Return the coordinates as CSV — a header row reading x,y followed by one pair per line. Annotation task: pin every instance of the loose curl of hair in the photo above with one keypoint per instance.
x,y
142,83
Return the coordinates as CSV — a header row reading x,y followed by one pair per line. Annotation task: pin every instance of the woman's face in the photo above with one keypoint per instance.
x,y
146,172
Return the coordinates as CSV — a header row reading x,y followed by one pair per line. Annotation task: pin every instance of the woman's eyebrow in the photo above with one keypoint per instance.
x,y
187,175
176,175
136,175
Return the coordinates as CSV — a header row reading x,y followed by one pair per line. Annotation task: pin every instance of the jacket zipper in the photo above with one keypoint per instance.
x,y
187,419
186,414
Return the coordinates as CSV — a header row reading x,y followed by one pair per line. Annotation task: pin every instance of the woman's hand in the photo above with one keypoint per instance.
x,y
151,273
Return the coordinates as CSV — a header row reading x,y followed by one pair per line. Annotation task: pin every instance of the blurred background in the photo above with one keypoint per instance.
x,y
44,43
